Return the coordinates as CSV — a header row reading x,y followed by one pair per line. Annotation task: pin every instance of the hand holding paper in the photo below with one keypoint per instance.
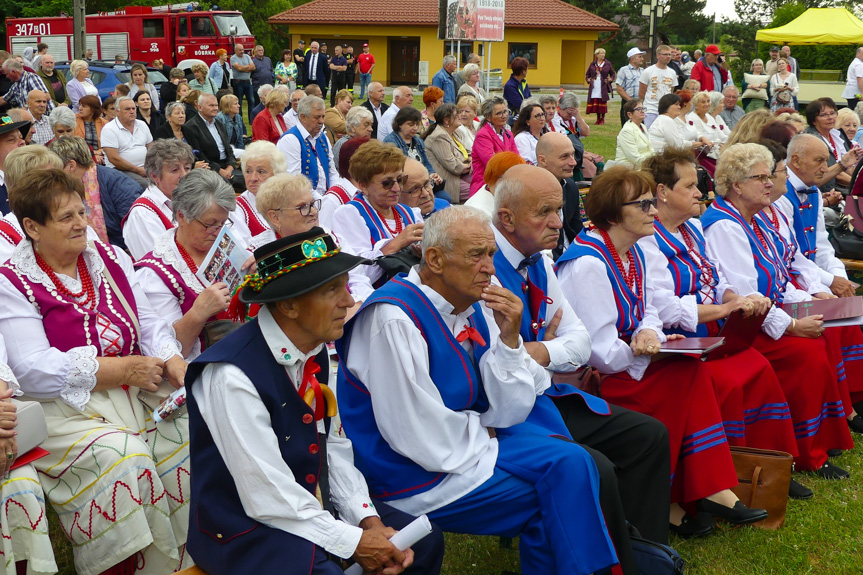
x,y
413,532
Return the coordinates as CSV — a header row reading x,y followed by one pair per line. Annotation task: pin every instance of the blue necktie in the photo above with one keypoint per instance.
x,y
529,261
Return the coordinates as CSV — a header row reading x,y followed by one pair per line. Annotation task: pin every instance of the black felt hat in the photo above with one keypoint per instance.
x,y
297,264
7,125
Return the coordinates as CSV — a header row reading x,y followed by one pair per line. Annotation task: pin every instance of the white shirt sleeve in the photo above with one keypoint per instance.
x,y
354,235
674,311
242,431
141,230
290,147
162,298
587,288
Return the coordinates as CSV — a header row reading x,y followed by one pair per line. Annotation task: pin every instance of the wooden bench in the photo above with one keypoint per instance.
x,y
853,265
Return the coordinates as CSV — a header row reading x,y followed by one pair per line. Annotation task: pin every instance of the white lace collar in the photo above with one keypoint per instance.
x,y
166,250
24,259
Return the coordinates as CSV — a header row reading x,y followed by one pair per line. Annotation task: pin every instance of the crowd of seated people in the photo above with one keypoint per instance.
x,y
457,329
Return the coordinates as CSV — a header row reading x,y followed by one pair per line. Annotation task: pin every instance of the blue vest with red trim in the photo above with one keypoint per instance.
x,y
456,376
220,531
308,165
630,306
805,221
377,228
769,266
533,322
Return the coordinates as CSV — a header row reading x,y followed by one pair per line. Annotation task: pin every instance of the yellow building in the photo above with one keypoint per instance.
x,y
557,38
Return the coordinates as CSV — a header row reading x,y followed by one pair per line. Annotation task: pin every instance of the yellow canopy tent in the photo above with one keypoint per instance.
x,y
817,26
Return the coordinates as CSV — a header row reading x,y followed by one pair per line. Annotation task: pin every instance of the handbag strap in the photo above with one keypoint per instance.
x,y
106,273
756,477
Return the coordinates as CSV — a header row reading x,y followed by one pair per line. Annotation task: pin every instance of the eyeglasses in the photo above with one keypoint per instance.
x,y
215,228
638,109
305,209
827,115
390,182
416,190
645,205
763,178
503,114
539,116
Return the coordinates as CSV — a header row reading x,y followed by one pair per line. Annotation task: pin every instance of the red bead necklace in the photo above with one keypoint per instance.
x,y
629,278
774,218
399,223
703,266
86,281
186,257
757,229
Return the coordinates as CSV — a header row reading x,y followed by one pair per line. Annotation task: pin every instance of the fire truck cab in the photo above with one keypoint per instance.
x,y
170,33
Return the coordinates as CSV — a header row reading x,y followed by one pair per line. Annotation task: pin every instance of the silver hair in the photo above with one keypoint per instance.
x,y
76,66
734,165
507,191
64,116
487,108
169,109
729,88
309,103
264,90
468,70
528,102
265,150
716,98
12,64
547,99
403,91
205,96
122,99
441,228
449,59
200,189
166,152
355,116
568,100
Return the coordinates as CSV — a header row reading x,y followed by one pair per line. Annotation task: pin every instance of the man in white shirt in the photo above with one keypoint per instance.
x,y
375,105
270,464
854,80
402,96
306,147
459,378
655,82
291,117
37,104
806,165
628,78
125,141
631,450
731,112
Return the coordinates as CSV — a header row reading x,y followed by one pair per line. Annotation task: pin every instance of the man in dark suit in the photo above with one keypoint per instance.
x,y
209,138
375,105
555,153
316,68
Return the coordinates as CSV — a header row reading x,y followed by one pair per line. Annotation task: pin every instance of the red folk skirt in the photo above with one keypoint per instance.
x,y
596,106
679,393
752,402
807,372
847,348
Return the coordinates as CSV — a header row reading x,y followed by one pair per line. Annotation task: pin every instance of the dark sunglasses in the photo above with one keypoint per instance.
x,y
645,205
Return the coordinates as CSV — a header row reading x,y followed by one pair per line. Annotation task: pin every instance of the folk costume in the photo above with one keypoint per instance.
x,y
406,352
311,156
148,218
612,300
269,468
755,412
751,261
131,492
247,221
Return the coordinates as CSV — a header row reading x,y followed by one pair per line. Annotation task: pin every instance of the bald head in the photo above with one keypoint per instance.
x,y
555,153
402,96
416,189
527,204
37,102
807,158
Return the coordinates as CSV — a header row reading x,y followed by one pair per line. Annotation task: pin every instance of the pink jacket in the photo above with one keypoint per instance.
x,y
487,144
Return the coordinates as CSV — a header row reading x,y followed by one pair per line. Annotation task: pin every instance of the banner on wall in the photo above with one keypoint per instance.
x,y
473,20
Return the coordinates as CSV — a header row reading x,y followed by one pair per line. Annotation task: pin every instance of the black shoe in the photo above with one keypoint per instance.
x,y
834,452
830,471
738,515
799,491
692,526
856,424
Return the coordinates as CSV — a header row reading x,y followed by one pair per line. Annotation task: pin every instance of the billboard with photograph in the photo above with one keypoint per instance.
x,y
480,20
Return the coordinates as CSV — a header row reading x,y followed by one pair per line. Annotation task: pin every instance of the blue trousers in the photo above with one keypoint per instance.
x,y
365,80
244,88
546,491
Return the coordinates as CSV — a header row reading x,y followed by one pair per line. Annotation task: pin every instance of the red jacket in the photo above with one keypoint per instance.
x,y
264,127
704,74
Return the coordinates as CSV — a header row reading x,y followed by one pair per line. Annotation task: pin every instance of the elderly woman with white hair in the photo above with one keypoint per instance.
x,y
358,125
151,215
63,122
80,84
706,126
260,161
202,205
471,75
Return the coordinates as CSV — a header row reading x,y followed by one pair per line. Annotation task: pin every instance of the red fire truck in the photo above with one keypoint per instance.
x,y
171,33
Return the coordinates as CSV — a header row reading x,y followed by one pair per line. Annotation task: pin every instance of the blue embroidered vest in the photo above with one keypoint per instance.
x,y
768,261
308,163
805,219
454,373
377,228
219,527
630,306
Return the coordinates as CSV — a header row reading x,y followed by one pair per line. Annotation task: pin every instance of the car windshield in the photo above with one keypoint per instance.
x,y
225,21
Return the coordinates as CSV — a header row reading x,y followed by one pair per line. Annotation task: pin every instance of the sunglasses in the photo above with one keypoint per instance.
x,y
645,205
390,182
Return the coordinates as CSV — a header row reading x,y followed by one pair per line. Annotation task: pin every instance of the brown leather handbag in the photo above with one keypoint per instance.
x,y
763,479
